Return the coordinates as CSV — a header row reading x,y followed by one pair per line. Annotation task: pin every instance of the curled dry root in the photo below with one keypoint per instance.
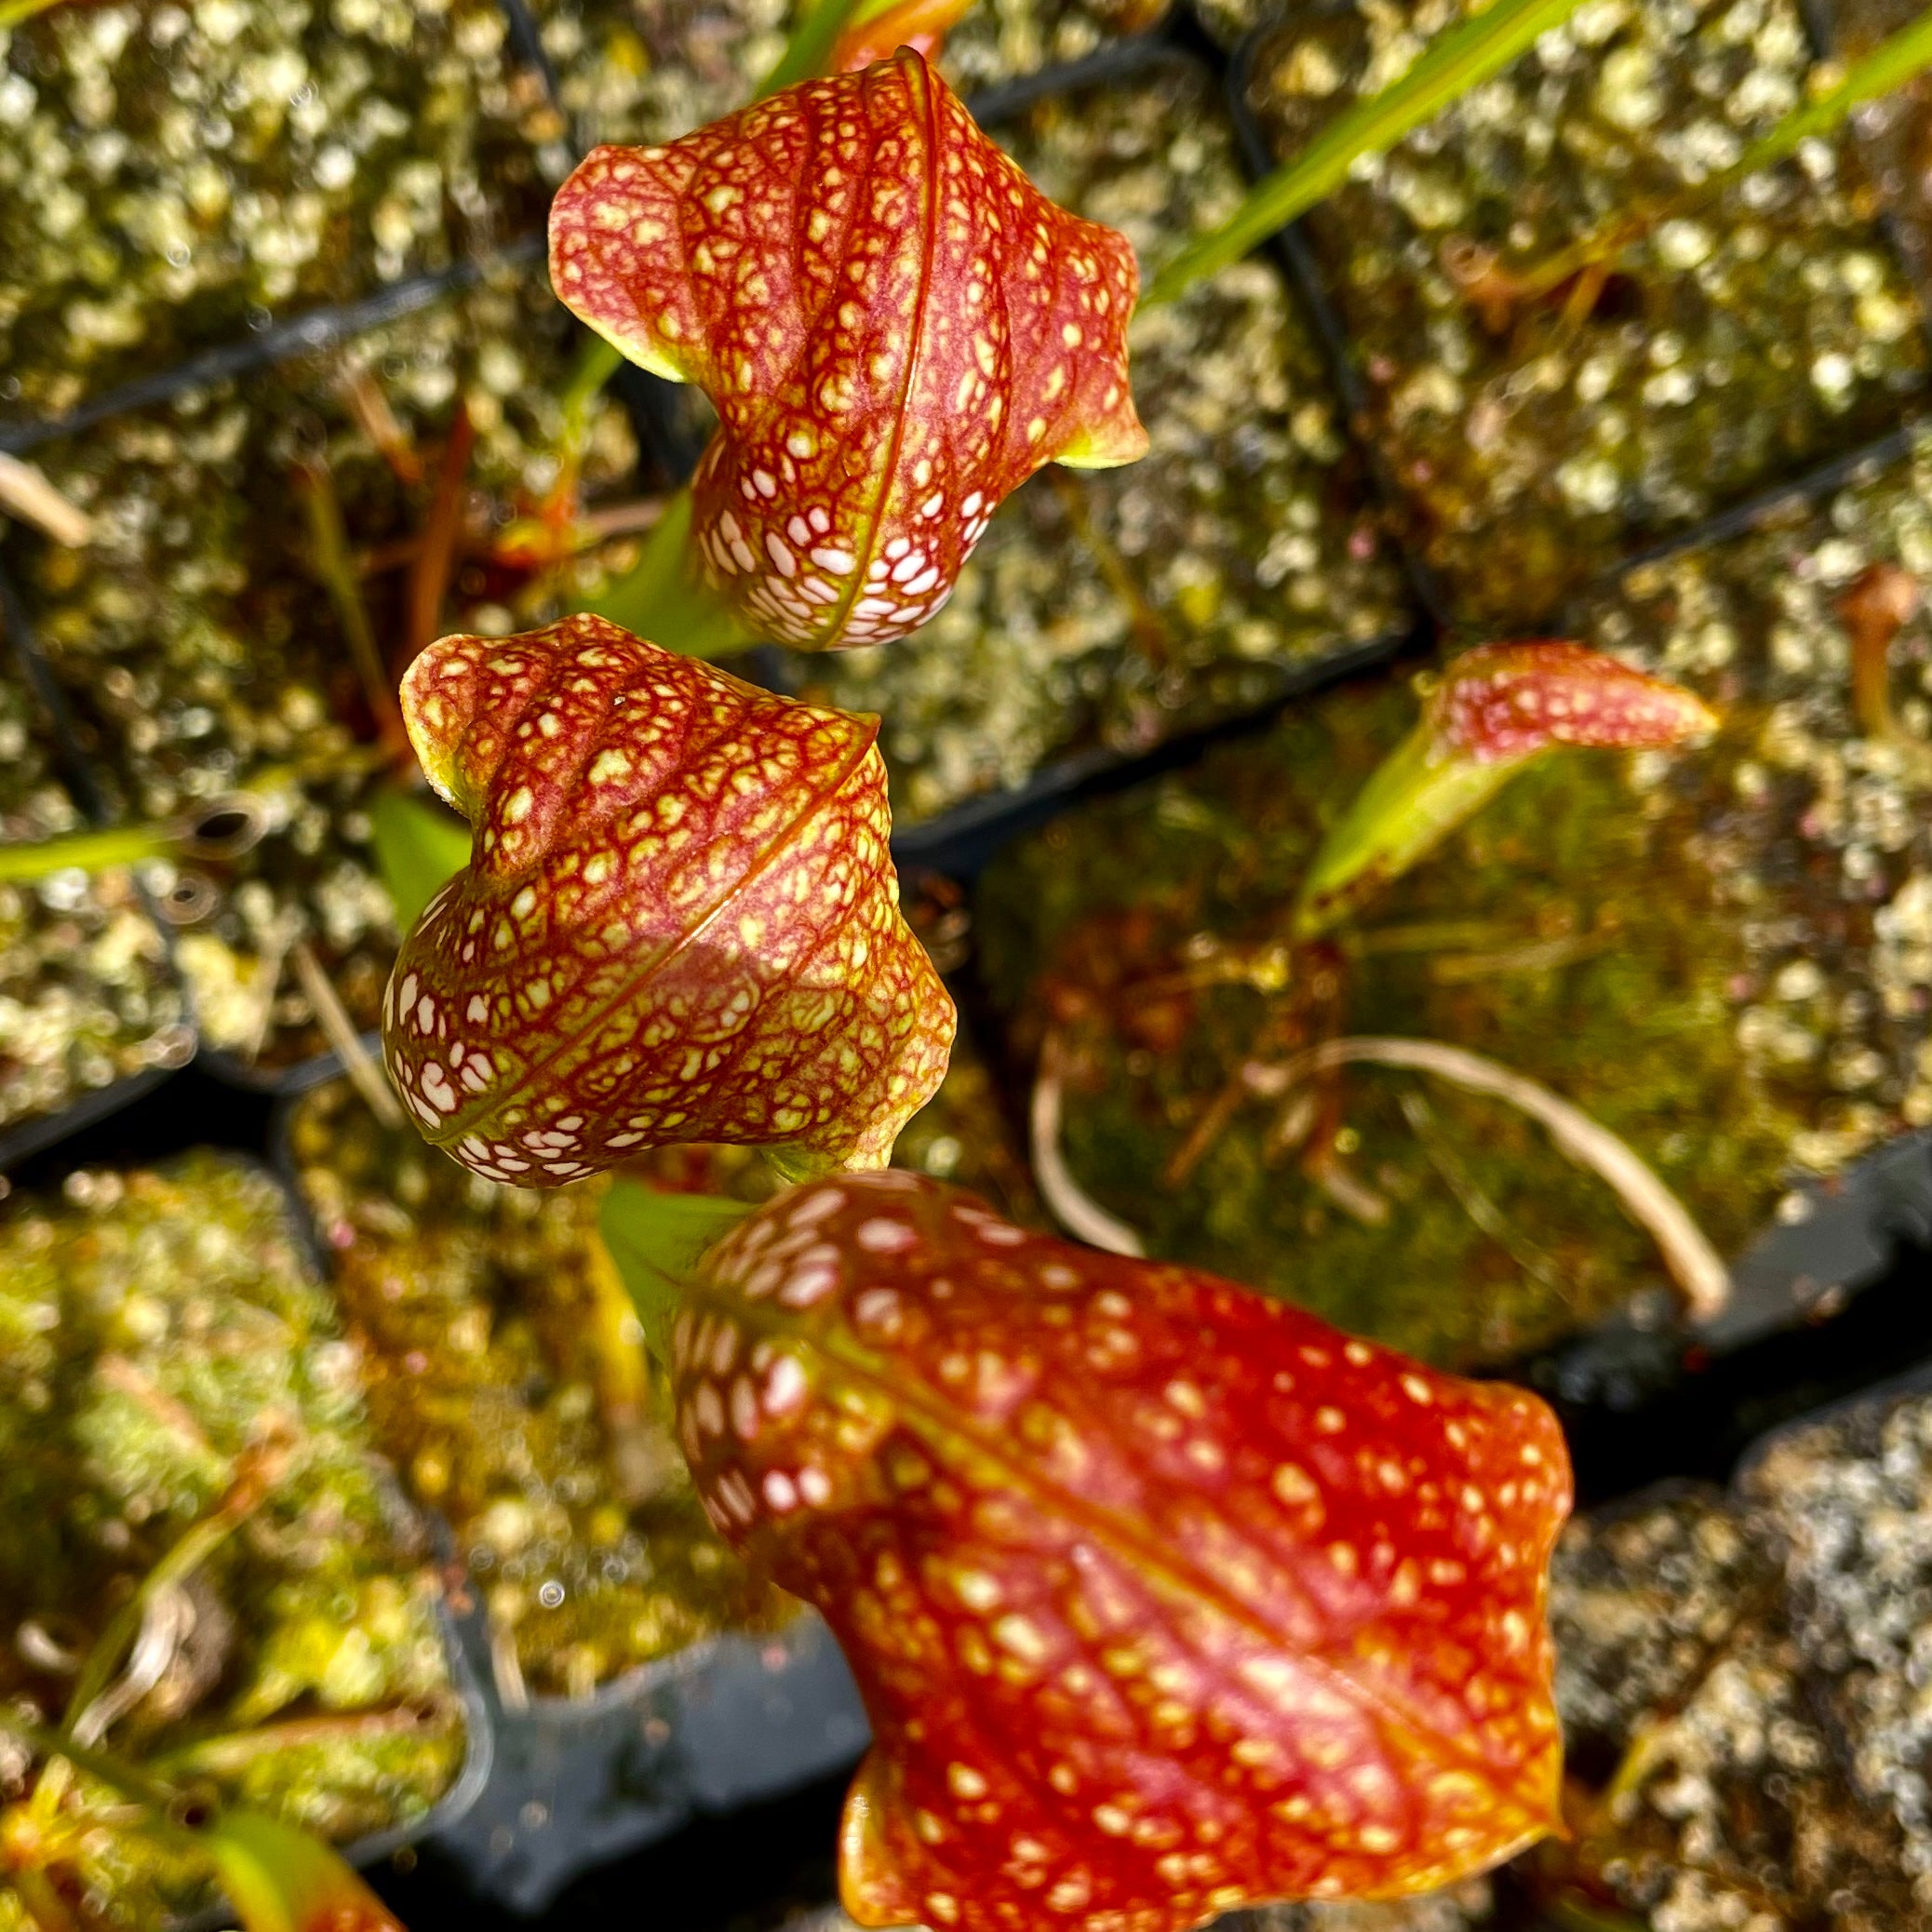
x,y
1693,1264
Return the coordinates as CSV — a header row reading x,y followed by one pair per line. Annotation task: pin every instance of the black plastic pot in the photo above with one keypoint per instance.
x,y
573,1782
446,1815
725,1723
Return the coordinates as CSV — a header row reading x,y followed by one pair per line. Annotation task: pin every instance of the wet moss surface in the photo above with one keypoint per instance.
x,y
167,1363
173,176
1120,607
1535,439
203,655
87,995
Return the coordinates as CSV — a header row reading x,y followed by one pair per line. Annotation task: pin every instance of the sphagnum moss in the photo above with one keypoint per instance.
x,y
1713,1784
1814,823
163,1346
1578,930
644,71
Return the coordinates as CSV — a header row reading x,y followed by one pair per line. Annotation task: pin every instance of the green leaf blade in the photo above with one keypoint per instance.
x,y
419,848
655,1242
1458,60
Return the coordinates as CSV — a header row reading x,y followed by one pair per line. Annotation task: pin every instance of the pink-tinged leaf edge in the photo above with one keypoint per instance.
x,y
1493,710
1504,702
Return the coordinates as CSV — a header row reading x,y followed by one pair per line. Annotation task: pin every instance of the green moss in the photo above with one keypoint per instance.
x,y
156,1330
1571,932
508,1381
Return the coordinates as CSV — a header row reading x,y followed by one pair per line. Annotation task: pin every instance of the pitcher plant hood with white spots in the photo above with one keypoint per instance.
x,y
679,921
1164,1597
1495,710
896,327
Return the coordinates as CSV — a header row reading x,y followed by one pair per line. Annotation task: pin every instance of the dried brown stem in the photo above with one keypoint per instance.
x,y
368,404
1880,602
1071,1206
27,494
1692,1261
435,564
339,1029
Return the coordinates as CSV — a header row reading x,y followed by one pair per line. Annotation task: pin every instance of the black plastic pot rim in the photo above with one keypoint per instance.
x,y
38,1132
1917,1380
304,334
298,1078
1767,506
675,1668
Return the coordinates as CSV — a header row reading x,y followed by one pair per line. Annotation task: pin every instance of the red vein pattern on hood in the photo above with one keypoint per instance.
x,y
896,327
679,922
1165,1596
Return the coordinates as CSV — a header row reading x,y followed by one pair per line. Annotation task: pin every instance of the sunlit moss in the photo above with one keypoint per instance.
x,y
164,1350
1580,931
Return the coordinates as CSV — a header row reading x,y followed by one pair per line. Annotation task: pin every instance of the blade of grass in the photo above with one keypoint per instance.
x,y
88,851
596,363
809,46
1457,60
